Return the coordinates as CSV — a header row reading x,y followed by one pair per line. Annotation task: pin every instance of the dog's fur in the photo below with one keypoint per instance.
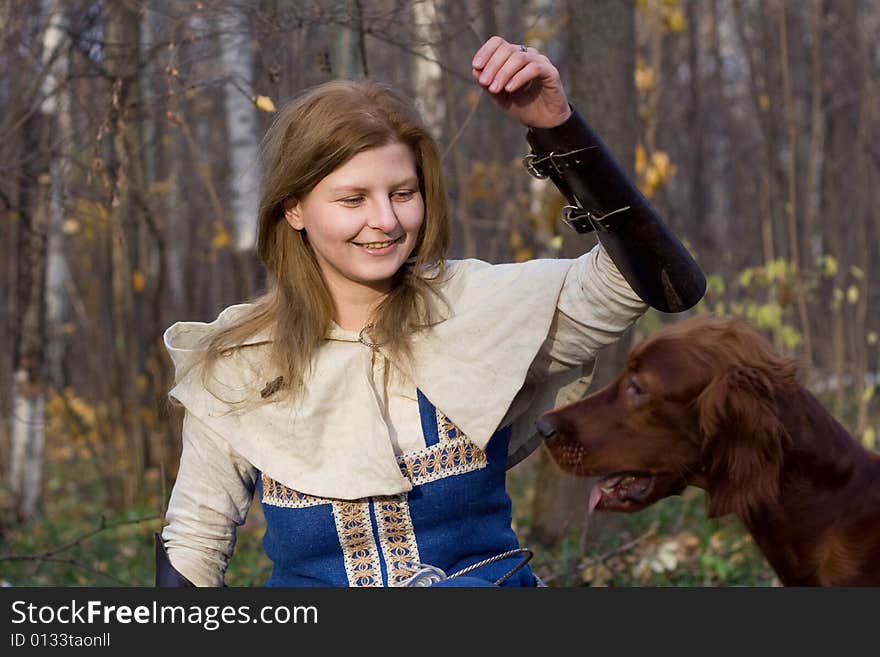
x,y
706,402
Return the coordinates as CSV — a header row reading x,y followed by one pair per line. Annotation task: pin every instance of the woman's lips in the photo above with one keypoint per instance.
x,y
379,248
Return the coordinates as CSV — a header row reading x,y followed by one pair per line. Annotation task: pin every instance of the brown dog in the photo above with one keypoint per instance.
x,y
706,402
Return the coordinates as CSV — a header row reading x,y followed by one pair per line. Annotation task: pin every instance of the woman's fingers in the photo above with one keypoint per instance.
x,y
500,62
485,52
507,72
522,77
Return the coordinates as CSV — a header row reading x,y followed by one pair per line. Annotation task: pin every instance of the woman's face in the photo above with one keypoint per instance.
x,y
362,220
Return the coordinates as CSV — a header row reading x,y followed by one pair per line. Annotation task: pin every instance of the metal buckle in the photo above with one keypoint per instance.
x,y
578,219
529,163
585,221
532,162
426,575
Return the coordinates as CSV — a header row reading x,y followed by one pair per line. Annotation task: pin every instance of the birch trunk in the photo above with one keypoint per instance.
x,y
237,47
29,360
57,108
427,75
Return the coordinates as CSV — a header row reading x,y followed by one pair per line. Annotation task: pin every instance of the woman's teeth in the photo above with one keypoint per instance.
x,y
376,245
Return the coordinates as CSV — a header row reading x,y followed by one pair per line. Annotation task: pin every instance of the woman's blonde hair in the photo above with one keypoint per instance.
x,y
310,138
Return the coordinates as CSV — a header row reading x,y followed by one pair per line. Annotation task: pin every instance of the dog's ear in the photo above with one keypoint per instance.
x,y
743,442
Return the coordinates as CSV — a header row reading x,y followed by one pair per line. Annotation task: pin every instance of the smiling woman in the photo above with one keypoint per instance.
x,y
362,222
374,397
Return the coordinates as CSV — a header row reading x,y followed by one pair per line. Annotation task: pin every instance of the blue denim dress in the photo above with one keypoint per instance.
x,y
457,514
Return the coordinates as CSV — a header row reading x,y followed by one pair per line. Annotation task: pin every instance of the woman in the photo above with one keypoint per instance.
x,y
375,396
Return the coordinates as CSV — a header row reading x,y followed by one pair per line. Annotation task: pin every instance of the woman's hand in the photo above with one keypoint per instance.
x,y
524,83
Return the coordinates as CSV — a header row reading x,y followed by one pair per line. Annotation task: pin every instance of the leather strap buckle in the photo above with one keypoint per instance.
x,y
577,219
542,166
585,221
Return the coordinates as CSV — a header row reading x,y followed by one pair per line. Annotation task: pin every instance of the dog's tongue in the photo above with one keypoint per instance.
x,y
595,496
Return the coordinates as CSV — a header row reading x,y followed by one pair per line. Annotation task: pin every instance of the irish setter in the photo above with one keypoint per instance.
x,y
706,402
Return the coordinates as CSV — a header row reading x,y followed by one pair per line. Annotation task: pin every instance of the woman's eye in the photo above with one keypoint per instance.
x,y
404,195
352,201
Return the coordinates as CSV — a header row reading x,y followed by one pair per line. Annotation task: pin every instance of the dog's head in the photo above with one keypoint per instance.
x,y
695,404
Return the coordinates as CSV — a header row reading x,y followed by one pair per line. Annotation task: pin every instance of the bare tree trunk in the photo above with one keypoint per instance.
x,y
791,207
761,105
841,186
57,108
237,48
39,200
698,187
126,174
862,219
350,57
28,384
427,73
813,194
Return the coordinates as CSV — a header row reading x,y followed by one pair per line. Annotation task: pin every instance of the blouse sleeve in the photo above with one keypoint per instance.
x,y
595,307
209,501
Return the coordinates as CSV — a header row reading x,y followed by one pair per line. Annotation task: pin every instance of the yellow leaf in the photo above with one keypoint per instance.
x,y
852,294
829,265
790,337
138,281
715,284
556,242
660,160
872,338
264,103
641,159
644,78
523,254
857,272
44,179
675,21
869,438
70,227
764,102
867,394
221,236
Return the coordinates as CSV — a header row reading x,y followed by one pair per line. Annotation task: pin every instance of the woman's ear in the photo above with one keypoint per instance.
x,y
293,213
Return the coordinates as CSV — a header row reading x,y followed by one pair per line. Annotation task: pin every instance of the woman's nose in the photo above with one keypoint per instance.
x,y
382,216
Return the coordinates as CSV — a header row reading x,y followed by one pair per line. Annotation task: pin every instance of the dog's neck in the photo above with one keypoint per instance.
x,y
827,480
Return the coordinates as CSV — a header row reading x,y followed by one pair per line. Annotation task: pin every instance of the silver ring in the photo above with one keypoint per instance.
x,y
523,47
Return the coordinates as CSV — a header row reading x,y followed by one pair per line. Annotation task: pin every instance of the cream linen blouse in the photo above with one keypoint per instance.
x,y
517,340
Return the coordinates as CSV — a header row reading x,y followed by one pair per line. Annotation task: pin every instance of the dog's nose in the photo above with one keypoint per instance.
x,y
546,428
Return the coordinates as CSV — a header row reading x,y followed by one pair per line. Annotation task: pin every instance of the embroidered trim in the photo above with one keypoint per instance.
x,y
397,537
359,549
445,459
447,429
277,494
